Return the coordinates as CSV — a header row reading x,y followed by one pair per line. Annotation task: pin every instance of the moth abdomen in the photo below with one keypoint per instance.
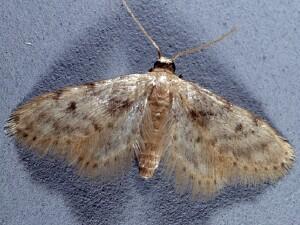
x,y
154,127
148,162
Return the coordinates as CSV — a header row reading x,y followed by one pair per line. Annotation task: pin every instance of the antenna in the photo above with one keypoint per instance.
x,y
181,53
202,46
142,28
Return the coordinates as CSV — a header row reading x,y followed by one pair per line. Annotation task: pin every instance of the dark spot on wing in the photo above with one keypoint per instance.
x,y
80,158
238,128
202,117
97,127
193,114
206,113
245,134
117,105
264,145
71,107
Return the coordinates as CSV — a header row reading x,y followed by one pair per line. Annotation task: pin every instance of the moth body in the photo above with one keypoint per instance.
x,y
155,122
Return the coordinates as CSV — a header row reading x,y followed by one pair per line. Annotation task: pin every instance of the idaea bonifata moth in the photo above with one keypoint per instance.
x,y
201,139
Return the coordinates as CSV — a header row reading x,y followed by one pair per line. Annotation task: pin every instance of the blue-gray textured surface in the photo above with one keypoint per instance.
x,y
45,45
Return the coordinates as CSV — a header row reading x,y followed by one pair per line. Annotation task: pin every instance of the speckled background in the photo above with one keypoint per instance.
x,y
45,45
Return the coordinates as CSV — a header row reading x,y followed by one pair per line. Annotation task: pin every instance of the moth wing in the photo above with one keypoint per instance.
x,y
215,143
93,126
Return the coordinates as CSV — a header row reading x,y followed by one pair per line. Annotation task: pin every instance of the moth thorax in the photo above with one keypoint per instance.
x,y
163,64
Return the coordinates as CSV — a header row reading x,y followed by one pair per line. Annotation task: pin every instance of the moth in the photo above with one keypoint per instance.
x,y
200,138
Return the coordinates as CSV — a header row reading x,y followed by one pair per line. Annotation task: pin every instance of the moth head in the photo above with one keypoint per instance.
x,y
164,63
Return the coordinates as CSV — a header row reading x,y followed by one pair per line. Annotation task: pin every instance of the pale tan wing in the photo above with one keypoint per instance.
x,y
93,126
215,143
